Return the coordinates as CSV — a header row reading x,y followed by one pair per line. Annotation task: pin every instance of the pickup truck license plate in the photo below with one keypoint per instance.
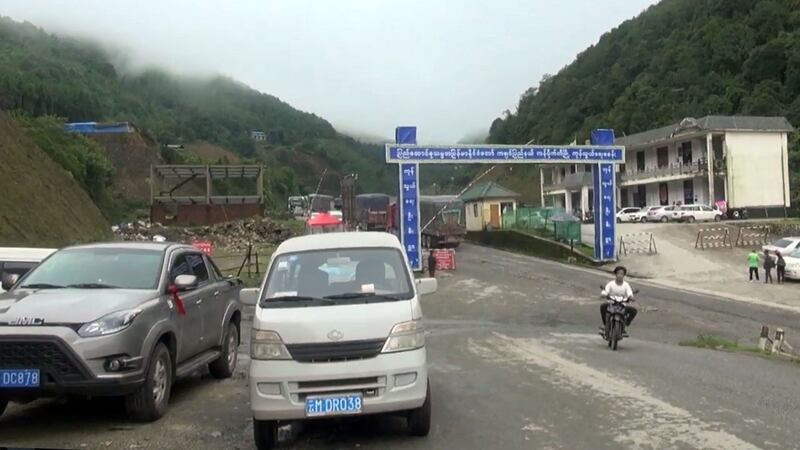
x,y
333,405
19,378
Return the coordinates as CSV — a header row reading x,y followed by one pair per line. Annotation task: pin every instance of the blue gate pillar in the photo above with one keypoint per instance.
x,y
604,206
408,200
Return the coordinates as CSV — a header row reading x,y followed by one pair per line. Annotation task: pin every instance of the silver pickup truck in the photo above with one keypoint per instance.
x,y
117,319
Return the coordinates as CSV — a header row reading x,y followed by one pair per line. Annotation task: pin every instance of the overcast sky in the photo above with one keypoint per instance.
x,y
448,66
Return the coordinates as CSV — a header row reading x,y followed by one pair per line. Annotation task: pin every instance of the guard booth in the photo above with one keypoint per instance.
x,y
324,223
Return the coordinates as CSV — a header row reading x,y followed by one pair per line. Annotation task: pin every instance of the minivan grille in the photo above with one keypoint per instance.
x,y
46,356
336,351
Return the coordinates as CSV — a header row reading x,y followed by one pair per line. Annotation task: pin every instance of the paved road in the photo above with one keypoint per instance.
x,y
515,363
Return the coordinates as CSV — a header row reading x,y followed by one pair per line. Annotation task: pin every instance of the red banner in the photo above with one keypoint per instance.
x,y
445,259
203,246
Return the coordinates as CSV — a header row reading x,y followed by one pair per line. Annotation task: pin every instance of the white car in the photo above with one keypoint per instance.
x,y
660,214
792,265
696,213
785,245
629,215
18,261
345,345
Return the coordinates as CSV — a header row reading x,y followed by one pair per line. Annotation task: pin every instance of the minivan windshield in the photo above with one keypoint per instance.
x,y
326,277
97,268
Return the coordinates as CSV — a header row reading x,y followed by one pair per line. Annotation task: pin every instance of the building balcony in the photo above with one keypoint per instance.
x,y
571,181
670,172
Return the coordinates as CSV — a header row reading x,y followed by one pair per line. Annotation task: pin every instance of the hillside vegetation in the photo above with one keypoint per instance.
x,y
680,58
42,203
46,75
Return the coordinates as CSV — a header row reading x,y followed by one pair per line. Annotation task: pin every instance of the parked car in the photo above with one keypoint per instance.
x,y
792,265
660,214
18,261
117,319
785,245
696,213
330,347
629,215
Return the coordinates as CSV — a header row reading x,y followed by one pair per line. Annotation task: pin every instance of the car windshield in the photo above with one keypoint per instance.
x,y
783,243
89,268
339,275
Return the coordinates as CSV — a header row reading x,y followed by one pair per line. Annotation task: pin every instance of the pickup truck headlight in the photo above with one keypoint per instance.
x,y
109,324
268,345
405,336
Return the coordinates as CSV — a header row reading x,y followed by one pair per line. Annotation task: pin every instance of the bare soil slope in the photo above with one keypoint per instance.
x,y
40,204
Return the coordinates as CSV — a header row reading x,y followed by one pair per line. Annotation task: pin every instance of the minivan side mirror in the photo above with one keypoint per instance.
x,y
427,286
9,280
185,282
249,296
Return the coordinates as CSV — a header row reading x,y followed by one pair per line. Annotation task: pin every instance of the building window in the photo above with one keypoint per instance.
x,y
573,168
662,154
663,194
475,210
587,168
563,172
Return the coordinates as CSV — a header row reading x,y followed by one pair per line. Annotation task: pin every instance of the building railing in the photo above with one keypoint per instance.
x,y
570,181
698,167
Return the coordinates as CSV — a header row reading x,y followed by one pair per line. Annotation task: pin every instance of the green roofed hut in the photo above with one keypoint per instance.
x,y
486,203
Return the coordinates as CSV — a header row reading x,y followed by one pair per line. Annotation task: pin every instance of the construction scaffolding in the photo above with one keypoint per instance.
x,y
188,194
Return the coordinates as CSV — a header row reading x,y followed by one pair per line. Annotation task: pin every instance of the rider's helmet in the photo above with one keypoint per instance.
x,y
622,268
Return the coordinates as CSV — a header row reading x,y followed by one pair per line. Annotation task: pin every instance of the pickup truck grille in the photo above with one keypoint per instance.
x,y
47,356
336,351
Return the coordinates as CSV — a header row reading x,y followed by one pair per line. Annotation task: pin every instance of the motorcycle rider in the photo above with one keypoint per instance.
x,y
619,288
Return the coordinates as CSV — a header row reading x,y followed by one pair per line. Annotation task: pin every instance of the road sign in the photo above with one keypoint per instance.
x,y
409,201
488,154
602,154
604,205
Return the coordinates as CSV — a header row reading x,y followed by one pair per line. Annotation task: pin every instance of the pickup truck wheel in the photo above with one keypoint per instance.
x,y
150,401
265,433
664,219
690,219
419,420
224,366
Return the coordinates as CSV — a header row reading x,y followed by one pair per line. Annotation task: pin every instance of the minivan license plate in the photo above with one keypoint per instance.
x,y
19,378
334,405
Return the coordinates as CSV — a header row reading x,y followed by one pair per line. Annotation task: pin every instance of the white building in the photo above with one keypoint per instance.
x,y
738,159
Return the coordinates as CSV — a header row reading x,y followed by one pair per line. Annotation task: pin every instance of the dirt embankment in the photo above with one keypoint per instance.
x,y
40,203
132,154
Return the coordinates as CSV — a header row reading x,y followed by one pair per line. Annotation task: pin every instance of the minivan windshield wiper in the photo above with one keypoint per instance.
x,y
295,301
351,295
92,286
41,286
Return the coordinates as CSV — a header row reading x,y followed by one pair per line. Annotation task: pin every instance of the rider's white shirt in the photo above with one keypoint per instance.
x,y
618,290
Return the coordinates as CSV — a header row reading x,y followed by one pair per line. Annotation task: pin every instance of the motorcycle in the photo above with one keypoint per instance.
x,y
615,319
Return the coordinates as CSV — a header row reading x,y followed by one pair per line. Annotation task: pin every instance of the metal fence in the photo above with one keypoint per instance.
x,y
713,238
539,220
637,243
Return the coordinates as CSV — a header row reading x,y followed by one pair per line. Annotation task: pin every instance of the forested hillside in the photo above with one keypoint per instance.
x,y
46,75
679,58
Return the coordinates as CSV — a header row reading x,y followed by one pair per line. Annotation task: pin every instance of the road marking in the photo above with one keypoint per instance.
x,y
648,422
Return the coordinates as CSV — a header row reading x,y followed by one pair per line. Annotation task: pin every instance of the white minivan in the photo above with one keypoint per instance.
x,y
338,332
16,262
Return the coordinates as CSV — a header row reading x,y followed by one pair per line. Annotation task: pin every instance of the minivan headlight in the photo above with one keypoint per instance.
x,y
109,324
405,336
267,345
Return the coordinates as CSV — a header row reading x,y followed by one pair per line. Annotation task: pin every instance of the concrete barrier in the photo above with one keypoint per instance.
x,y
713,238
637,243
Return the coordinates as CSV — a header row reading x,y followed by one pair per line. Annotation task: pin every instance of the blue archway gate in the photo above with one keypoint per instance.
x,y
602,153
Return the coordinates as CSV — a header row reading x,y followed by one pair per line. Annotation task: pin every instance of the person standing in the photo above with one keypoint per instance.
x,y
769,263
432,264
780,265
752,262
